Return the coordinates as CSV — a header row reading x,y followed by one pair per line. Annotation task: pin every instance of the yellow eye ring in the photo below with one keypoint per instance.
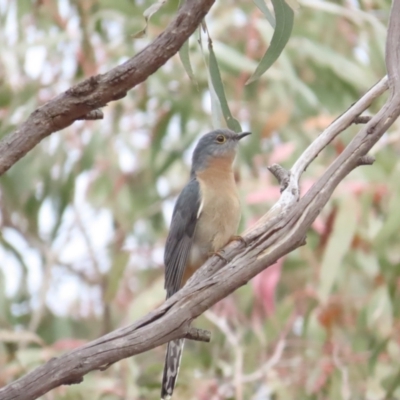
x,y
221,139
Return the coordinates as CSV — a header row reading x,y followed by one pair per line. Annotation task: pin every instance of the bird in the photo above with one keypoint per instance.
x,y
205,218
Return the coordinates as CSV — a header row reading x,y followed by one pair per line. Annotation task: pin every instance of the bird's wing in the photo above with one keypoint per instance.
x,y
180,237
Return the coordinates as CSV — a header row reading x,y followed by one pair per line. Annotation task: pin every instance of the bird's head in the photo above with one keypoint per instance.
x,y
218,145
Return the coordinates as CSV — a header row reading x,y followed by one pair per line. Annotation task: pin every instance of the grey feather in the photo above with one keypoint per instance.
x,y
208,148
177,250
171,368
180,237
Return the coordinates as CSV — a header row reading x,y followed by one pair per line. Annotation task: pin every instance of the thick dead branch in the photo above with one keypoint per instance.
x,y
280,231
83,100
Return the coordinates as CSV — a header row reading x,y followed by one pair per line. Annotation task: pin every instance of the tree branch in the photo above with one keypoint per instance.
x,y
92,115
281,175
280,231
362,119
83,100
200,335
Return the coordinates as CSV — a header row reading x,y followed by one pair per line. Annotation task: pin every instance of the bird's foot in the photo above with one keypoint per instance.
x,y
218,253
239,239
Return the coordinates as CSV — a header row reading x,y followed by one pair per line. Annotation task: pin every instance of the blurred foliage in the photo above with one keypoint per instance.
x,y
84,216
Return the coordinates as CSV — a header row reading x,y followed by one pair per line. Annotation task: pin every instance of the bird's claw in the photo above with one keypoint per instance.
x,y
218,253
239,239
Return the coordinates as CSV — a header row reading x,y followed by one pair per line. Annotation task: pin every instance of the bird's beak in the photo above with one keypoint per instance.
x,y
243,134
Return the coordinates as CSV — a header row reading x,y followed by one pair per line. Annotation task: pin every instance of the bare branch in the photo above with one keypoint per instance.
x,y
280,174
83,100
200,335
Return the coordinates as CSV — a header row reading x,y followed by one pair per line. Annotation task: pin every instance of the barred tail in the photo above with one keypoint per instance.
x,y
171,368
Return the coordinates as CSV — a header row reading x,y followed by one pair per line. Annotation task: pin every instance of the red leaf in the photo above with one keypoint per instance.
x,y
281,152
265,284
68,344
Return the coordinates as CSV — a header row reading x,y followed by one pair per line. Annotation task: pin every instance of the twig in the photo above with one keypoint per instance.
x,y
276,355
275,358
362,119
200,335
89,280
281,174
234,340
223,326
88,242
38,312
92,115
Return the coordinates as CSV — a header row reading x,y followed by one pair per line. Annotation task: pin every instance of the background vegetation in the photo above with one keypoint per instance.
x,y
85,215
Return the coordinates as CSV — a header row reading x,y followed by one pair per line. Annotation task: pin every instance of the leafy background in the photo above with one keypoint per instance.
x,y
84,216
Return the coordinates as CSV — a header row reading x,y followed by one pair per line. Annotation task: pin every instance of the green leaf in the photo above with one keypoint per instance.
x,y
350,71
216,111
62,199
392,384
146,301
376,352
12,249
284,24
233,59
171,157
6,95
219,90
160,130
390,227
11,336
115,275
264,9
380,312
339,243
185,59
147,15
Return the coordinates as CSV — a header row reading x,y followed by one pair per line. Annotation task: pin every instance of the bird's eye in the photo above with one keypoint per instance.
x,y
221,139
